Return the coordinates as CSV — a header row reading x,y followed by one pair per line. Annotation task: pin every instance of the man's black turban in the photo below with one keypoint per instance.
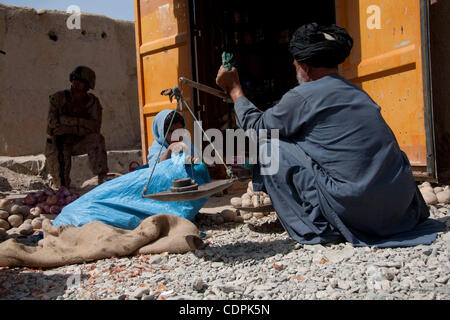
x,y
321,46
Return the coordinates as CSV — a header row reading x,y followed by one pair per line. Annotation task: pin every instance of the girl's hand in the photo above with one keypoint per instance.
x,y
178,147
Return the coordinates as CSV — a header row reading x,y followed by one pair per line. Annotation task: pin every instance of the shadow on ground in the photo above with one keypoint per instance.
x,y
28,284
246,251
445,220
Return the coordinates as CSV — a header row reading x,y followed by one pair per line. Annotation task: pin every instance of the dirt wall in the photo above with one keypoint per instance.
x,y
41,51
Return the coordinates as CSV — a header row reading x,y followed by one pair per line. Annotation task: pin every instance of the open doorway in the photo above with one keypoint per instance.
x,y
257,34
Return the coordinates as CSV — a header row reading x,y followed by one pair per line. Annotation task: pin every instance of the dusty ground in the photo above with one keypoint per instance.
x,y
243,261
15,183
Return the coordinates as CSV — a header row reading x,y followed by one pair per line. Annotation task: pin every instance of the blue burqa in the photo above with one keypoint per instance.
x,y
119,202
342,175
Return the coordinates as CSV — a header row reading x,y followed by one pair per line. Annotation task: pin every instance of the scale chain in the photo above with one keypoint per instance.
x,y
180,101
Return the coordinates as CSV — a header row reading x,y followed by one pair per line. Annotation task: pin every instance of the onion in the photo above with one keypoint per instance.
x,y
36,194
36,211
65,191
60,195
40,205
4,203
30,200
70,199
61,202
49,192
46,208
55,209
52,200
42,198
18,201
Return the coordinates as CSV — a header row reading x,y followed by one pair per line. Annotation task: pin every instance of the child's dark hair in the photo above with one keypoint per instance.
x,y
178,119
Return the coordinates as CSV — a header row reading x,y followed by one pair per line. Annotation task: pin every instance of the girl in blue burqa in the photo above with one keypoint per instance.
x,y
119,202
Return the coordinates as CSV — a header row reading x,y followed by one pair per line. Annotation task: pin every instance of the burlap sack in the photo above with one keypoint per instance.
x,y
94,241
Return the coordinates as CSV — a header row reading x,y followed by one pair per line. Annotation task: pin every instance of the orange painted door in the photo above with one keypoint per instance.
x,y
163,55
389,62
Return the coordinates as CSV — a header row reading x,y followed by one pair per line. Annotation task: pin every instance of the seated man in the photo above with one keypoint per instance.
x,y
74,122
342,175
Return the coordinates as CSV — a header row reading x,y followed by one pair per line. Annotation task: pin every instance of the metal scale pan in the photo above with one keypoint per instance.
x,y
201,191
186,189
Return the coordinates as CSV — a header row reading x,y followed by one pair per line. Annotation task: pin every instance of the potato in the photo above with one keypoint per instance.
x,y
3,234
15,209
426,184
438,189
49,216
4,214
36,212
15,220
239,219
219,219
228,215
4,224
246,203
24,210
430,198
4,203
258,215
427,189
18,209
236,202
246,196
37,223
247,216
52,200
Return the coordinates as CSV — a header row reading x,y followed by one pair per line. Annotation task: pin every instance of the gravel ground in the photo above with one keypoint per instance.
x,y
249,261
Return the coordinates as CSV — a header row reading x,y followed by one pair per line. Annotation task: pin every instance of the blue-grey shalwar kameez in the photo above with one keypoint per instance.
x,y
342,175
